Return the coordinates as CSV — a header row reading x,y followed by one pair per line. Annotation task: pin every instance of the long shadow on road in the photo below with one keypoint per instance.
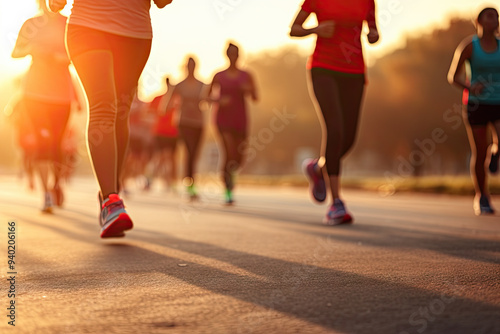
x,y
333,299
477,249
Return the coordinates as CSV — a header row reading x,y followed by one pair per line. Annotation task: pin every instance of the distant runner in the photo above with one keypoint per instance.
x,y
481,100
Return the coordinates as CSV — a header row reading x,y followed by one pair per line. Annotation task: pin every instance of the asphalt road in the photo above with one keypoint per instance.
x,y
409,264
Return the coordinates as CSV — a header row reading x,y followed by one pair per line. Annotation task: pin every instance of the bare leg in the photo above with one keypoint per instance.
x,y
234,150
479,149
43,170
495,133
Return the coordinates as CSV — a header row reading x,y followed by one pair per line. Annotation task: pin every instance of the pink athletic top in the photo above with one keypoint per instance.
x,y
231,114
342,52
128,18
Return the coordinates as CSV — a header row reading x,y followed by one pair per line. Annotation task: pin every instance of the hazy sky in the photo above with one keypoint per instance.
x,y
202,27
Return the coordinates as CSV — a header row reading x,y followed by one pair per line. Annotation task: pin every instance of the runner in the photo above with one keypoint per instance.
x,y
166,133
109,43
481,100
337,72
189,94
140,147
234,86
47,94
25,137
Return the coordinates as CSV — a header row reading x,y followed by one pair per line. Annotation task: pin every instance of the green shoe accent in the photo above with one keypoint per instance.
x,y
229,196
191,190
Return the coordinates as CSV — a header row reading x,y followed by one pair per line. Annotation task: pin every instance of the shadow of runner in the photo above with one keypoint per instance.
x,y
379,235
336,300
476,249
332,299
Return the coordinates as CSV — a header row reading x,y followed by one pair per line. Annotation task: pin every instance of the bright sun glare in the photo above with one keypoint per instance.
x,y
204,32
12,17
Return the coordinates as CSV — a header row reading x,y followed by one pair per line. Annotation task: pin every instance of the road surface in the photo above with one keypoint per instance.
x,y
409,264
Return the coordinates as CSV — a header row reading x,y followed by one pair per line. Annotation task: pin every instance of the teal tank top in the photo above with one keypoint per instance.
x,y
485,68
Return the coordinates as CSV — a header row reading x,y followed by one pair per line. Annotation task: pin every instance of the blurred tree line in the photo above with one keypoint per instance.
x,y
411,120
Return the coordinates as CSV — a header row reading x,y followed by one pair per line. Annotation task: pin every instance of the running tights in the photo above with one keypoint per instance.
x,y
109,67
192,139
339,97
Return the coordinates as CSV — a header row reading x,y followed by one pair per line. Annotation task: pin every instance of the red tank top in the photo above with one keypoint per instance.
x,y
165,124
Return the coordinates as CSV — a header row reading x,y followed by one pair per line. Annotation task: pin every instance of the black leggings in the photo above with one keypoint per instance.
x,y
233,142
339,97
49,121
192,139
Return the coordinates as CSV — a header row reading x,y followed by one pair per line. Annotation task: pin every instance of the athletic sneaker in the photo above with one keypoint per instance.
x,y
99,198
316,181
58,196
337,214
483,207
47,204
147,184
193,195
494,162
229,197
114,220
230,184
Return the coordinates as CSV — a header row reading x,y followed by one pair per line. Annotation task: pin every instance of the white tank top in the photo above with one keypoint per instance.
x,y
128,18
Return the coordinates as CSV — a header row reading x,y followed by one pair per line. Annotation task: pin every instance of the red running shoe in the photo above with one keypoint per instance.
x,y
337,214
114,219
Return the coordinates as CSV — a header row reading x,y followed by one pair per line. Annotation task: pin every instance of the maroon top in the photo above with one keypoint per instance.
x,y
231,114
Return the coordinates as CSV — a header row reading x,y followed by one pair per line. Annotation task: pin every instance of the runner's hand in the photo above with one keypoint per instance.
x,y
325,29
373,36
476,89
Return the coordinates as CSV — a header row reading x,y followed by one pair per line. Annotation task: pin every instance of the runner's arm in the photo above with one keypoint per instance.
x,y
457,68
252,89
324,29
210,94
23,44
